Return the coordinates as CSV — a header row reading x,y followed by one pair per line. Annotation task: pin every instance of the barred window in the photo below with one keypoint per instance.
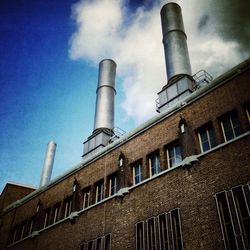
x,y
162,232
151,234
176,229
242,212
100,243
234,217
107,242
140,236
90,245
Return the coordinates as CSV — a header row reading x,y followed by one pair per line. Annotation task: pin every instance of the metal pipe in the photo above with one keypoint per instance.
x,y
174,41
48,163
105,95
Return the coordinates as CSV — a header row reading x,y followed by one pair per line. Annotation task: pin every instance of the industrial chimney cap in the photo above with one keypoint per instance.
x,y
170,14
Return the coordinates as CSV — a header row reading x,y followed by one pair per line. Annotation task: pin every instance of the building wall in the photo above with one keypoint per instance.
x,y
190,188
13,192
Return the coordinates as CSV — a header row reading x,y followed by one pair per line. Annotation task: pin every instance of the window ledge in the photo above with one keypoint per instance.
x,y
224,144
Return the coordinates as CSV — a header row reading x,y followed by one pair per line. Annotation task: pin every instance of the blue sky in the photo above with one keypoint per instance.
x,y
45,95
49,54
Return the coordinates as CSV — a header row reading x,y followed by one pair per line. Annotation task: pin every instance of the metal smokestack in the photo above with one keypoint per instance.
x,y
105,96
103,132
48,164
175,41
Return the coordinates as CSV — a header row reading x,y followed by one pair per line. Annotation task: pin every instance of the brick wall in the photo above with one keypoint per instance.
x,y
189,188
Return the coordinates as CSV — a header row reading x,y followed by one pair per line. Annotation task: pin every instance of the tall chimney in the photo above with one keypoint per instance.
x,y
175,41
180,81
103,132
48,164
105,96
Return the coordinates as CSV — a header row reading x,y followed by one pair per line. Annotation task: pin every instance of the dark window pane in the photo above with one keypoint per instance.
x,y
226,221
139,236
107,243
176,231
163,232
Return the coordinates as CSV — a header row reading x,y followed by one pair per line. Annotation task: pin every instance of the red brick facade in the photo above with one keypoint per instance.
x,y
189,186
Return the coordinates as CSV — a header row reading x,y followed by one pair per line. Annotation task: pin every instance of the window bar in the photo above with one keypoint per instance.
x,y
168,233
147,234
237,213
136,238
45,219
159,230
155,233
144,233
208,138
164,237
110,186
172,231
142,243
223,131
22,231
103,243
248,115
168,158
31,226
70,206
106,242
232,126
96,194
201,147
175,231
133,175
14,236
221,222
238,220
179,218
221,227
55,215
96,243
66,209
235,235
245,198
150,167
110,241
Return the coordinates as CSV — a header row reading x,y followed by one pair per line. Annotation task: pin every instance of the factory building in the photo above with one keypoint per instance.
x,y
179,181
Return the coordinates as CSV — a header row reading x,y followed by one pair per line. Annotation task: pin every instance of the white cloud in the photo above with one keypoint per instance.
x,y
106,29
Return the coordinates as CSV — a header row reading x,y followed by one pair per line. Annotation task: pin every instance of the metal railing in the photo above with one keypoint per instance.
x,y
202,78
115,133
